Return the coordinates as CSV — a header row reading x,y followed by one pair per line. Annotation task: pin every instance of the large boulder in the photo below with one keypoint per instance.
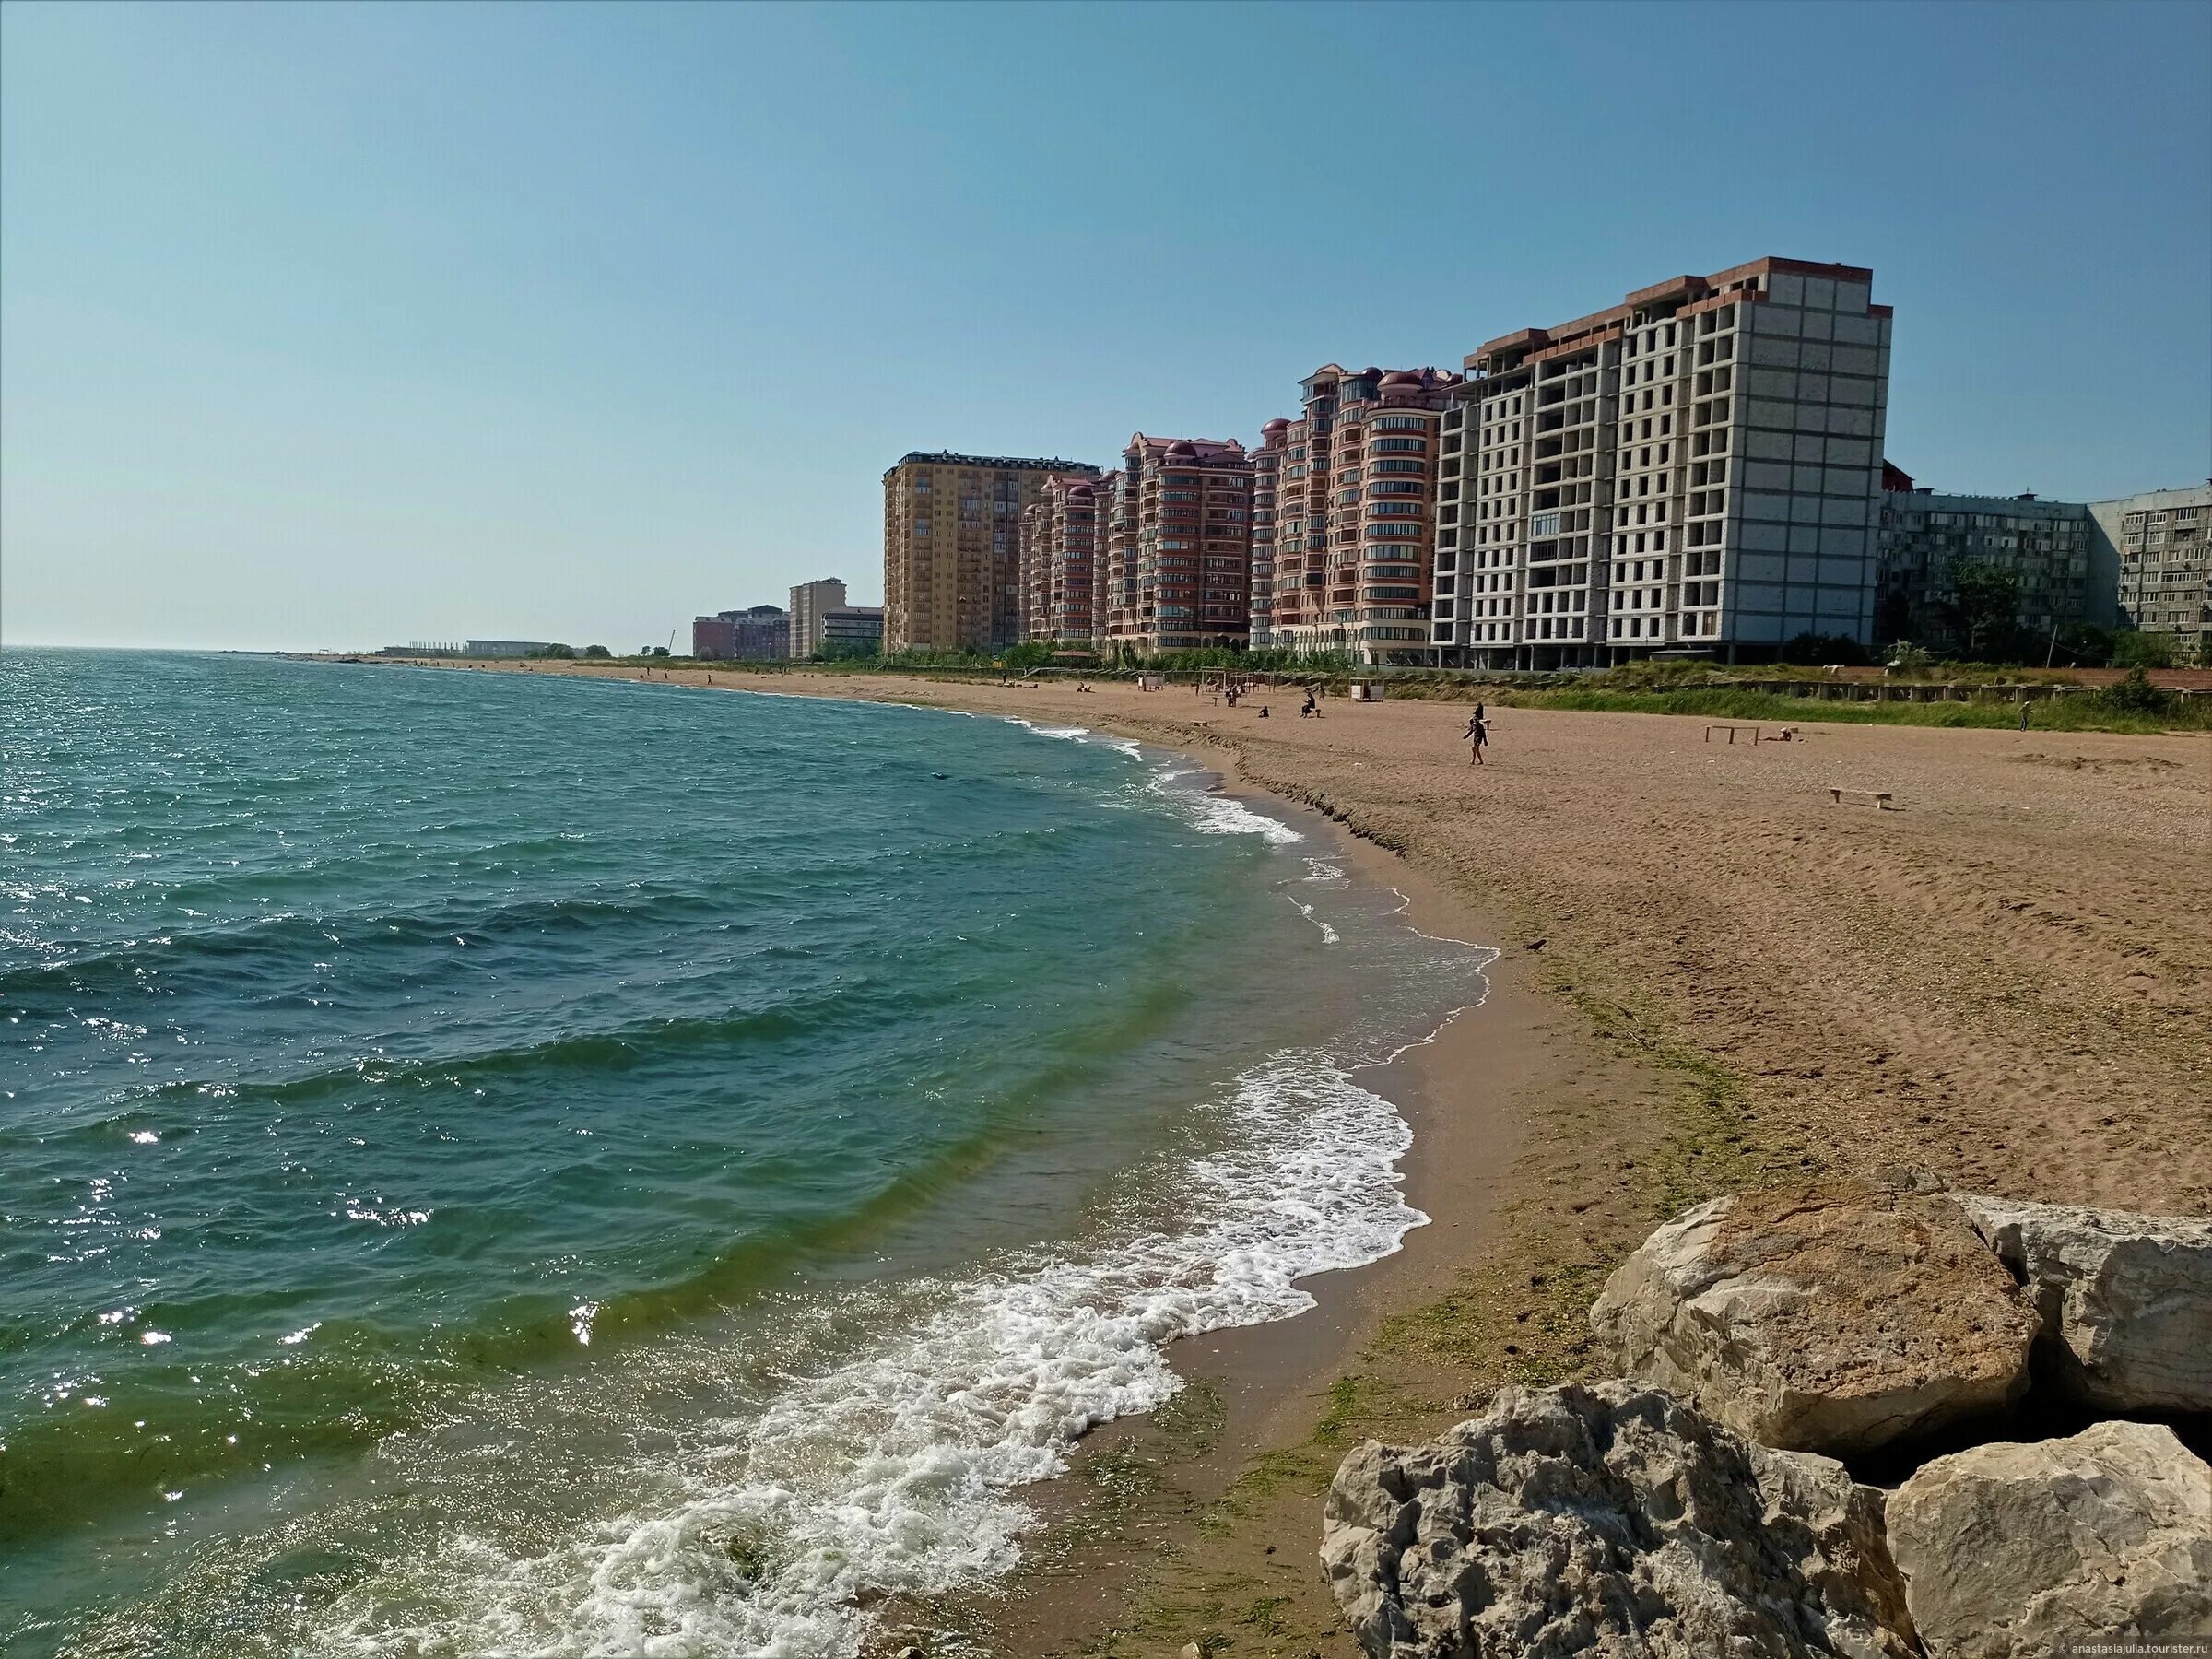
x,y
2126,1300
2105,1537
1833,1317
1614,1521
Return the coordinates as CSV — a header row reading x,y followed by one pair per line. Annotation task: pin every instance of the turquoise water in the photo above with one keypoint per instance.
x,y
492,1164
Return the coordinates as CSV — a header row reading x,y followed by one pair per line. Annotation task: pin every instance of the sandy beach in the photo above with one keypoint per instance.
x,y
1712,973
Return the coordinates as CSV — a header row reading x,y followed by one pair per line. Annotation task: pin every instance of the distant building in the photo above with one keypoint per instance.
x,y
1063,533
507,648
1177,563
1697,469
853,625
2153,546
952,547
810,602
1925,537
760,634
1347,552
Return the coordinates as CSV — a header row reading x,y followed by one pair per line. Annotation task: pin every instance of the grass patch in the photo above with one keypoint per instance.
x,y
2086,711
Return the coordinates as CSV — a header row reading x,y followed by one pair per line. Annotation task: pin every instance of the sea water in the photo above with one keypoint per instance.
x,y
497,1163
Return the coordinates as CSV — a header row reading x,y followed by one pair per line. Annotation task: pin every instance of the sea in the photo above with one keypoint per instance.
x,y
501,1163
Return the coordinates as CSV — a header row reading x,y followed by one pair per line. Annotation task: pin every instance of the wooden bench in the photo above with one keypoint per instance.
x,y
1732,731
1877,798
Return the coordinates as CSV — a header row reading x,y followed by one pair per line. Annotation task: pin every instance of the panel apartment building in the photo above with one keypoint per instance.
x,y
1178,561
2156,545
1060,536
1925,537
1341,562
952,547
1696,469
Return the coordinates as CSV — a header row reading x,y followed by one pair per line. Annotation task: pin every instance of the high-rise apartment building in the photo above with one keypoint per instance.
x,y
810,602
1926,540
1345,558
1696,469
1060,534
1178,564
952,547
2154,546
1266,482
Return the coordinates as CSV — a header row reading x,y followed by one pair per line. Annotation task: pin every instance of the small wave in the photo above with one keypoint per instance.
x,y
1046,730
895,1473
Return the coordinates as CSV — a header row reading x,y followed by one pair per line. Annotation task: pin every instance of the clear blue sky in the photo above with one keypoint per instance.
x,y
335,325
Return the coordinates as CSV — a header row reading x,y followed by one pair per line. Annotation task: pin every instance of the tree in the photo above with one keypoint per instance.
x,y
848,651
597,651
1810,648
1030,654
2084,645
554,651
1984,608
2132,648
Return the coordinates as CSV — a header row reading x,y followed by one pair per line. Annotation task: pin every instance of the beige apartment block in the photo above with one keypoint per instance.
x,y
1695,471
811,602
952,547
2154,546
1178,561
1341,558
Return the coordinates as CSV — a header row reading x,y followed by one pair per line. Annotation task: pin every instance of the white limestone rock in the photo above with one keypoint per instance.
x,y
1612,1521
2126,1300
2104,1538
1833,1317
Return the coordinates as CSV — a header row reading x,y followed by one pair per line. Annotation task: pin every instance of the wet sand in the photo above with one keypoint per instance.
x,y
1714,974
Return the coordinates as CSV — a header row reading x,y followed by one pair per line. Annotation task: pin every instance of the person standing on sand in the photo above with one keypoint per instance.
x,y
1476,736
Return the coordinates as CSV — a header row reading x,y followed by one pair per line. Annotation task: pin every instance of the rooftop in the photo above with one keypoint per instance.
x,y
995,462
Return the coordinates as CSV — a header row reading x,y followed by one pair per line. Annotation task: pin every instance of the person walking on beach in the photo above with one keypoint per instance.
x,y
1476,737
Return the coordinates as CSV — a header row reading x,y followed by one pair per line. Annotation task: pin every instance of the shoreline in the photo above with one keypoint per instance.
x,y
1713,976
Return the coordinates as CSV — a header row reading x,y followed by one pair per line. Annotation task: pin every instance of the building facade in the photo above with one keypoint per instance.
x,y
952,547
852,628
2153,545
1347,545
1060,536
1266,481
810,602
1695,470
1177,563
760,634
506,648
1926,538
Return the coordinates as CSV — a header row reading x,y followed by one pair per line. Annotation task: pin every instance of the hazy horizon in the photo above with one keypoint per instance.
x,y
348,326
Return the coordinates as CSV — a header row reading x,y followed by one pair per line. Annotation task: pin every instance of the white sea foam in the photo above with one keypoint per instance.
x,y
1225,815
895,1473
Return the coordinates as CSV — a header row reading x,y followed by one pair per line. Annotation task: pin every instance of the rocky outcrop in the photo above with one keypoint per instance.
x,y
2103,1537
1611,1520
2126,1300
1830,1318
